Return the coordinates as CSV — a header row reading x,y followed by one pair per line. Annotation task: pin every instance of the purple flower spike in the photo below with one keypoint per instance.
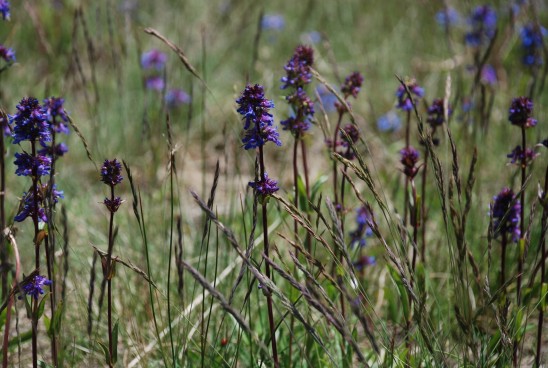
x,y
58,151
56,115
517,155
153,59
404,102
409,159
532,36
520,112
502,205
363,230
7,54
155,83
298,68
113,204
5,9
436,113
30,122
352,85
26,164
111,172
483,22
35,287
265,186
176,98
26,208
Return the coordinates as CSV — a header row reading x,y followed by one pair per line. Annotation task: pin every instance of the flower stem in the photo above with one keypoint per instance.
x,y
544,226
109,279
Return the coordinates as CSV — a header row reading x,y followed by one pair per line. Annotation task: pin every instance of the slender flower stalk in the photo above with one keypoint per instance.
x,y
258,130
542,241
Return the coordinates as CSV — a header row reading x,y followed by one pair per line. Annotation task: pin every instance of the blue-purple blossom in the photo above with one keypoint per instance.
x,y
409,159
363,262
56,115
436,113
520,112
298,68
111,172
352,85
517,156
153,59
155,83
26,208
30,122
28,164
35,287
389,122
258,126
303,108
483,23
58,151
532,36
7,54
176,97
327,98
5,9
447,17
272,22
404,102
488,75
113,204
363,229
264,186
350,136
503,209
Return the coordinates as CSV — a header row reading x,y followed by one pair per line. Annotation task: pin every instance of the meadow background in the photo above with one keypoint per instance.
x,y
89,53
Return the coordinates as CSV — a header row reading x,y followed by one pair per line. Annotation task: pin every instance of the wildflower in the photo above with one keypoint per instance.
x,y
58,151
404,102
7,54
447,17
436,113
264,186
176,97
304,108
35,287
253,106
28,164
488,75
350,136
520,112
111,172
363,262
352,85
409,159
113,204
55,114
5,9
30,122
327,98
363,230
517,155
155,83
389,122
506,207
532,44
298,68
272,22
312,37
153,59
483,22
26,208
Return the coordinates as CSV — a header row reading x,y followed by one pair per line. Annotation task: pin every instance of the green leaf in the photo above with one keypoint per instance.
x,y
544,296
47,323
105,352
317,186
403,293
41,306
43,364
57,318
115,342
301,189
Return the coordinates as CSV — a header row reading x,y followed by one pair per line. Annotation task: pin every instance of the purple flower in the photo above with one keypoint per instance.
x,y
363,229
55,114
35,287
436,113
298,68
26,208
363,262
113,204
404,102
517,156
176,98
5,9
58,151
30,122
483,22
111,172
389,122
258,128
352,85
264,186
520,112
153,59
303,107
7,54
503,207
532,36
327,98
27,163
273,22
447,17
155,83
488,75
409,159
351,137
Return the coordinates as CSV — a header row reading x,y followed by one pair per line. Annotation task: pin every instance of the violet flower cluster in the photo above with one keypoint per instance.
x,y
5,9
409,160
153,63
359,235
298,75
57,117
532,40
506,214
35,286
111,175
436,117
483,24
520,114
7,54
403,101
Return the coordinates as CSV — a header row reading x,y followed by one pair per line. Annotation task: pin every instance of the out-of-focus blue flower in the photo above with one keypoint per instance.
x,y
176,98
7,54
521,111
532,36
27,163
273,22
5,9
363,262
265,186
436,113
363,229
488,75
312,37
35,287
58,151
404,102
327,98
113,204
26,208
389,122
298,68
55,114
447,17
155,83
483,23
517,155
502,205
153,59
111,172
30,122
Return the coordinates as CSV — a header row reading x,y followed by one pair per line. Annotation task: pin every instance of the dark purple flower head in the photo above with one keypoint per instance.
x,y
409,159
363,229
503,207
56,115
26,207
517,155
7,54
352,85
35,287
520,112
404,102
5,9
113,204
532,36
27,163
303,108
265,186
350,136
30,122
436,113
58,151
298,67
483,23
111,172
176,98
153,59
258,128
363,262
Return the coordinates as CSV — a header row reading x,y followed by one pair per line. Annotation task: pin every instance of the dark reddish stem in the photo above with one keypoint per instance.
x,y
544,225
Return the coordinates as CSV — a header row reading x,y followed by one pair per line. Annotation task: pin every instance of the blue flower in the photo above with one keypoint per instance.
x,y
447,17
26,208
272,22
363,262
7,54
111,172
436,113
153,59
532,36
5,9
27,163
298,68
176,97
483,22
265,186
389,122
502,206
404,102
363,229
155,83
58,151
30,122
327,98
520,112
35,287
55,114
409,159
